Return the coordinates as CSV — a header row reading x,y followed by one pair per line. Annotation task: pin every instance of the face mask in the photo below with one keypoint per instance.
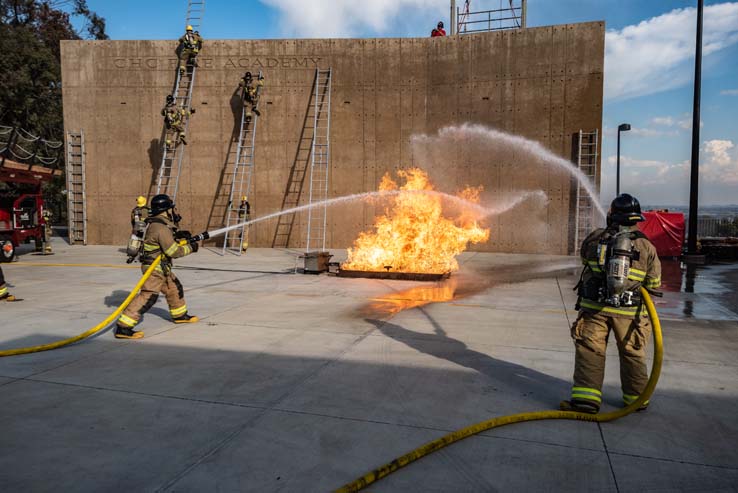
x,y
176,218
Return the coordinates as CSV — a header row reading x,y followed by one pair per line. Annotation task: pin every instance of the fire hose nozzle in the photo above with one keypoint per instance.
x,y
200,237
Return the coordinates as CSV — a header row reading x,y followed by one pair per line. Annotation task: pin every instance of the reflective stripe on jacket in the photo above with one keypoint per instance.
x,y
159,239
645,271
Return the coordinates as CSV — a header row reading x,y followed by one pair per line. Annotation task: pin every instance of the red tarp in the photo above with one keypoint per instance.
x,y
665,230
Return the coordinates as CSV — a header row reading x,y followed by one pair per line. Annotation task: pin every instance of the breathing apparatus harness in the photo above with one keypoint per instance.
x,y
135,249
615,254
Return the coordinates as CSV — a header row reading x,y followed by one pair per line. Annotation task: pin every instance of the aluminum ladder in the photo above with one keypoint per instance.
x,y
319,162
296,181
76,197
243,171
172,152
587,155
195,13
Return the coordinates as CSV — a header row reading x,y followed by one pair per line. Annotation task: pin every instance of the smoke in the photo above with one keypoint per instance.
x,y
515,171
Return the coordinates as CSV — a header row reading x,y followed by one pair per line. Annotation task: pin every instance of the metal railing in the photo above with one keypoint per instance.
x,y
710,226
511,17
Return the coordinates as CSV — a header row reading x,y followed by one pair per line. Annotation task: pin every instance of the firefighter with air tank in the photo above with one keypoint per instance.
x,y
244,214
139,215
161,238
250,93
189,47
175,119
618,260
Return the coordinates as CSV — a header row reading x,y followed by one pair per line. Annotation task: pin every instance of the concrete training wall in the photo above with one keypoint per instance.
x,y
542,83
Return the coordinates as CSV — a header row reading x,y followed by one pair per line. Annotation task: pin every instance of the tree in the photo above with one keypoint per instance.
x,y
30,32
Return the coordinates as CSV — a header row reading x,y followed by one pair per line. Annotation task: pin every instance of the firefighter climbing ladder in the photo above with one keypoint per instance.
x,y
320,160
76,199
587,163
243,171
173,152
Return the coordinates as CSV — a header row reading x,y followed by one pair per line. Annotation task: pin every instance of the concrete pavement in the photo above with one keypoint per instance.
x,y
302,383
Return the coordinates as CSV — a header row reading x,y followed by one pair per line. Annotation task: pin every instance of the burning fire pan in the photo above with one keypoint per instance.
x,y
393,276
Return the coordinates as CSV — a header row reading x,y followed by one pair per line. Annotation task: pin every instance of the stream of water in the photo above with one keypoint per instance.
x,y
467,133
481,211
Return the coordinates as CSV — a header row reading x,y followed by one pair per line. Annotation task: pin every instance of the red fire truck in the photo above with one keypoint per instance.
x,y
22,211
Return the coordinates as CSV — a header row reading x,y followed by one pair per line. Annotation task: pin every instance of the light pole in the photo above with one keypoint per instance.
x,y
453,17
695,165
623,127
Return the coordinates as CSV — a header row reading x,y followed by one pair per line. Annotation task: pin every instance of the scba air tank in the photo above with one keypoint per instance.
x,y
134,245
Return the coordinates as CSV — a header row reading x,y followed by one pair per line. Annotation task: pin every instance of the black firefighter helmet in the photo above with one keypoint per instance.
x,y
625,210
161,203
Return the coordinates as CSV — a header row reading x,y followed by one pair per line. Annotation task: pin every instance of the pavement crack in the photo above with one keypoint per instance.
x,y
609,459
675,461
563,303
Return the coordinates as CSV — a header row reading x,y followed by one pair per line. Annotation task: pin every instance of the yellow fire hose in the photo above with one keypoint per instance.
x,y
439,443
455,436
93,330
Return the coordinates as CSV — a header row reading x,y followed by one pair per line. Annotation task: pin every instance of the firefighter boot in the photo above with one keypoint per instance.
x,y
8,297
122,332
186,319
579,407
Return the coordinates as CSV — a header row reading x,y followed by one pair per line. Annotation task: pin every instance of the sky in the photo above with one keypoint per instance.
x,y
649,70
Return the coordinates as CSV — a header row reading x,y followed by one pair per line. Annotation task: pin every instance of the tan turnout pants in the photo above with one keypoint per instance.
x,y
590,333
168,284
185,55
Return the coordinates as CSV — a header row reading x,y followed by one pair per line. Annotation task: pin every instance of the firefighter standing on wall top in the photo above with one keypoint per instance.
x,y
618,260
190,45
160,239
438,31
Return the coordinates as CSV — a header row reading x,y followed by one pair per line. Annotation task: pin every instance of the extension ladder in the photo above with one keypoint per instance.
x,y
76,198
320,160
587,155
195,12
243,171
172,152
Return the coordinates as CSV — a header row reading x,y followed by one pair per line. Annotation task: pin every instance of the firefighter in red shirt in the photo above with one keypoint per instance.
x,y
438,31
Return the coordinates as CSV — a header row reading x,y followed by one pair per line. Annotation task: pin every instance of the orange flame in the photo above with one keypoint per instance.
x,y
413,235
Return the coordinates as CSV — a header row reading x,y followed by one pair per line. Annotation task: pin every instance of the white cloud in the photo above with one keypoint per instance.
x,y
346,18
663,120
652,132
684,122
718,151
652,56
729,92
639,163
666,182
720,162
